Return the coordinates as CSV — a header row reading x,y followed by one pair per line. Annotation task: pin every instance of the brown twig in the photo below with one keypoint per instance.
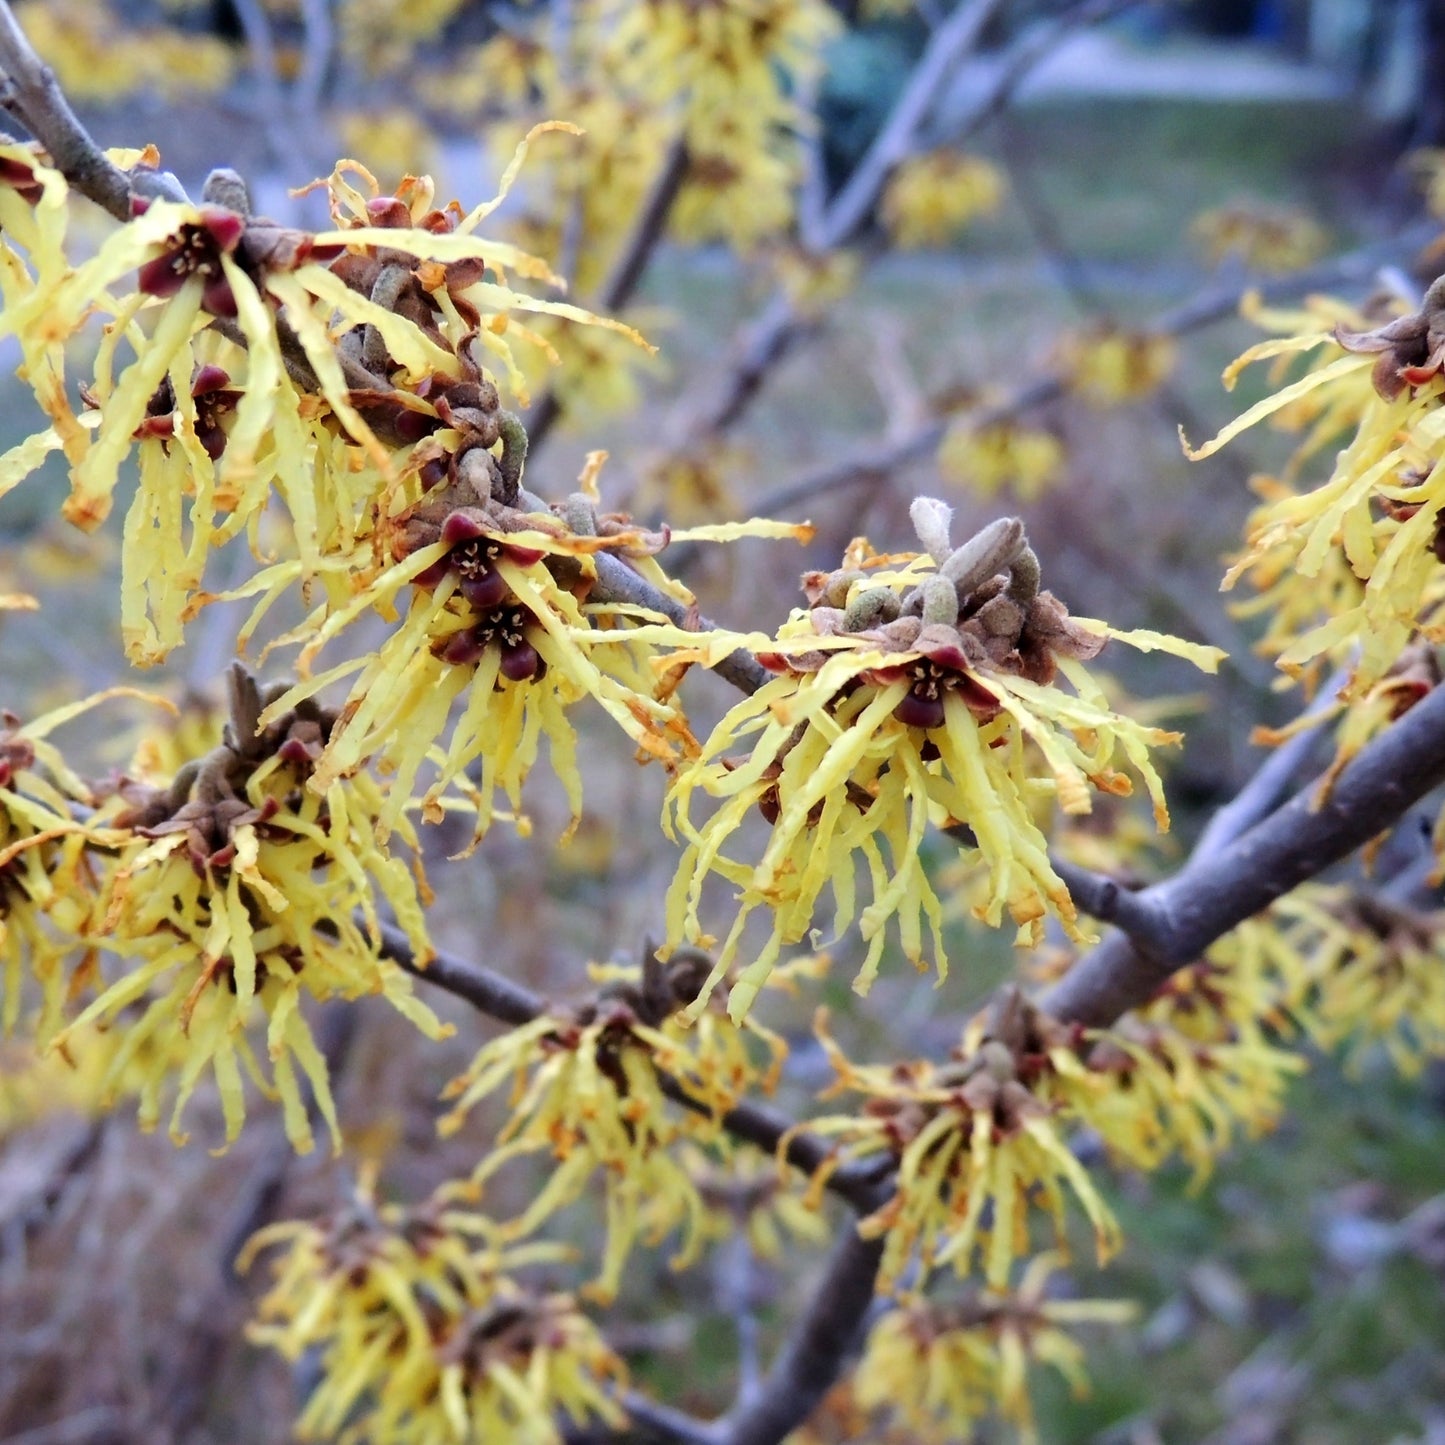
x,y
1211,304
780,325
31,94
824,1337
617,582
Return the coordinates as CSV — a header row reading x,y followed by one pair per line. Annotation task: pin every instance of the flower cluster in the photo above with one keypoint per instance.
x,y
1354,969
914,688
978,1143
937,1368
1194,1068
277,363
423,1334
1351,567
591,1086
234,894
930,198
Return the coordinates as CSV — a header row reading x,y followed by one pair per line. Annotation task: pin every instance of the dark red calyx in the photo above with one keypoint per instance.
x,y
460,527
431,576
520,663
522,556
210,378
464,648
388,211
919,711
21,179
485,589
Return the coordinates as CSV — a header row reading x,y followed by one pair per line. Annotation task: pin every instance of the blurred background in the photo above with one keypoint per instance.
x,y
1023,329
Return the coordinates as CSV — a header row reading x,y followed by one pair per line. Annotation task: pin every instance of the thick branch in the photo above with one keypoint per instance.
x,y
617,582
33,97
487,992
1173,922
820,1344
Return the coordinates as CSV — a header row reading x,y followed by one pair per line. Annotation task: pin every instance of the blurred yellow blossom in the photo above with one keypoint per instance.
x,y
101,56
1265,238
1003,456
931,198
395,141
1109,365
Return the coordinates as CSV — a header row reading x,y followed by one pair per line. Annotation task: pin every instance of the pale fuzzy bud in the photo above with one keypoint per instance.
x,y
1025,575
984,555
225,187
870,608
1001,617
931,520
476,469
580,515
940,601
514,453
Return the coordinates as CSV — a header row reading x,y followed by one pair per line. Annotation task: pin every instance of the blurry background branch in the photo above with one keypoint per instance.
x,y
1212,303
780,323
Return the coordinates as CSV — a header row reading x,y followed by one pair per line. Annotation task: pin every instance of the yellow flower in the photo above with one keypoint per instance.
x,y
1108,365
1376,514
936,1368
51,874
1264,238
917,689
980,1144
586,1089
423,1335
931,198
233,897
1194,1068
1023,460
497,616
